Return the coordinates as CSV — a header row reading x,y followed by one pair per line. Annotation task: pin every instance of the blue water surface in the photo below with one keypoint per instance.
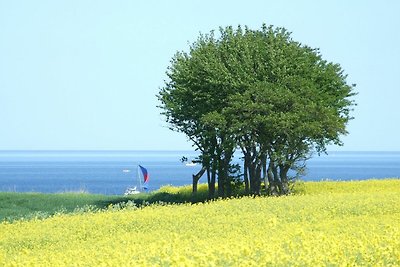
x,y
111,172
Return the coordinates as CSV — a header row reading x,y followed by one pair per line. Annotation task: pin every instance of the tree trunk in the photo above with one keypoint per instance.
x,y
271,184
228,180
221,180
252,174
196,178
264,171
194,184
275,184
258,179
283,171
208,177
246,174
211,186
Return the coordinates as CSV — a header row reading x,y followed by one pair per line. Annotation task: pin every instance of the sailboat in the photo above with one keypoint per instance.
x,y
142,186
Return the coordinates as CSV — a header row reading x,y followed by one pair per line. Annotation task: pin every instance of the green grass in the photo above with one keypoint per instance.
x,y
27,205
18,205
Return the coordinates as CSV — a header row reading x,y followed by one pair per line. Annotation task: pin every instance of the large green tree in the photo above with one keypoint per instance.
x,y
260,91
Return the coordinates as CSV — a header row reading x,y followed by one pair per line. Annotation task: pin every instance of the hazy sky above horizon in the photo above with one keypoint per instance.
x,y
85,74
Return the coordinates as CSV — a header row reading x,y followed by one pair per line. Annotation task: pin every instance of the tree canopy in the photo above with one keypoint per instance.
x,y
259,91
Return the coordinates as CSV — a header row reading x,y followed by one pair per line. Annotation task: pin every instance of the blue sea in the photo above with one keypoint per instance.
x,y
111,172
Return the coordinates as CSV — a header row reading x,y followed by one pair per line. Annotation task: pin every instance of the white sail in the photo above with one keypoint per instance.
x,y
139,187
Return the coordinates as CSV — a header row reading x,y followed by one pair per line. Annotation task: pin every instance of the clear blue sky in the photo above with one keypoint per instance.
x,y
84,74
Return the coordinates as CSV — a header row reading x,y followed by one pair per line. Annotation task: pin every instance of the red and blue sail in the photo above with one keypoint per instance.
x,y
145,173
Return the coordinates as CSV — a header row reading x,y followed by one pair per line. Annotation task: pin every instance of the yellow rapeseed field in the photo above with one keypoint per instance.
x,y
325,224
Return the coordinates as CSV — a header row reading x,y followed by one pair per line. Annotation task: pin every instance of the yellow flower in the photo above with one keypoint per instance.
x,y
330,223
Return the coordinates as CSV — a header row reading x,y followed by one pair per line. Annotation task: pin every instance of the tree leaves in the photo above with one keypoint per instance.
x,y
259,90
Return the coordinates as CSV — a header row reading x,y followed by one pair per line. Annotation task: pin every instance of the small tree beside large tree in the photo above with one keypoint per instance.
x,y
261,92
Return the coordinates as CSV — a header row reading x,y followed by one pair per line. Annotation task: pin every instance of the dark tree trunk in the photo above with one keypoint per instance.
x,y
224,177
252,174
255,178
211,186
283,171
264,171
228,186
271,184
258,179
246,174
208,177
194,184
274,179
221,180
213,168
196,178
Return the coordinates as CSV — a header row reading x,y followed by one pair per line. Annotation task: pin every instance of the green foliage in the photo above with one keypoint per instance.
x,y
259,90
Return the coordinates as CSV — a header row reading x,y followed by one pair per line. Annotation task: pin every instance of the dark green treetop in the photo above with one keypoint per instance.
x,y
259,90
